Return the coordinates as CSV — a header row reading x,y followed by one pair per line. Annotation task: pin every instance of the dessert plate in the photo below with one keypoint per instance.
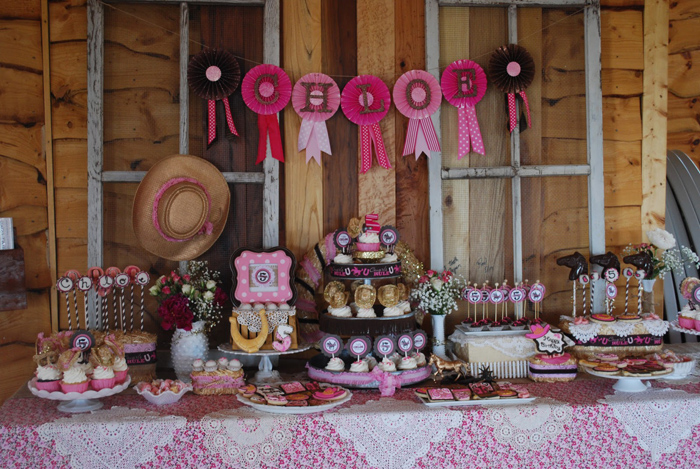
x,y
280,409
474,402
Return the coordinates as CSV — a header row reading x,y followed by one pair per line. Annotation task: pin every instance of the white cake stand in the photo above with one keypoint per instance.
x,y
676,327
75,402
266,372
627,383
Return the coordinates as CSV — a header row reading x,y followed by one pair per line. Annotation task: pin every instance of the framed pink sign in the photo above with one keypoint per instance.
x,y
263,275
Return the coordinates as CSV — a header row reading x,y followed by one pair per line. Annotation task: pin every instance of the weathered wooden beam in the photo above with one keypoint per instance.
x,y
512,171
137,176
524,3
271,168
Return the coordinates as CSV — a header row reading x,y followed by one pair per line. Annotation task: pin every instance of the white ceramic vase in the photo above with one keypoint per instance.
x,y
186,347
438,321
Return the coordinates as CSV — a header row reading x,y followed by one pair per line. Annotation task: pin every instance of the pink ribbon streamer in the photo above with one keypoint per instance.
x,y
511,109
469,132
421,137
314,274
212,119
314,137
372,134
268,123
388,383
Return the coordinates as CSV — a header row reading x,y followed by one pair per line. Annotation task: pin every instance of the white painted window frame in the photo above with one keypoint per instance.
x,y
95,118
594,135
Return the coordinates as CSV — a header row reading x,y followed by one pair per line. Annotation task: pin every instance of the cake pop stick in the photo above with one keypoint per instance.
x,y
105,288
113,272
65,285
627,272
85,285
496,305
95,273
142,278
574,297
74,275
594,278
132,271
122,280
639,275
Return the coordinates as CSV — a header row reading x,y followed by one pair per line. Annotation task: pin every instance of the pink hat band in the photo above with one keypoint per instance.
x,y
181,210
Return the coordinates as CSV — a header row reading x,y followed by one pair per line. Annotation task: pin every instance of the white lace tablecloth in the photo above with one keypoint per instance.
x,y
658,418
114,438
391,433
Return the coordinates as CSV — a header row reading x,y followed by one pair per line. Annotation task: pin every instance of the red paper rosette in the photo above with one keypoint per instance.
x,y
213,74
463,83
378,100
266,89
323,97
417,94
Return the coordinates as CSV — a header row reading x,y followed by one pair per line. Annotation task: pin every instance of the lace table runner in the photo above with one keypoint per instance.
x,y
116,438
392,433
658,418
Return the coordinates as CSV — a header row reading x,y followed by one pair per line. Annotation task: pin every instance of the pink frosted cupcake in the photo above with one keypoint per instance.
x,y
48,378
102,377
74,380
120,369
368,242
696,323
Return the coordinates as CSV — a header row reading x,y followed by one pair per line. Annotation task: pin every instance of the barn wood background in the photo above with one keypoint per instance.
x,y
381,37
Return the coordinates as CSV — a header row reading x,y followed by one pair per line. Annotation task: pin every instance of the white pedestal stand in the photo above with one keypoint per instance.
x,y
266,374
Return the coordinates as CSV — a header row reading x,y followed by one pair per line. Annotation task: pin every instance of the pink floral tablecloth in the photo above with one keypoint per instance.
x,y
580,424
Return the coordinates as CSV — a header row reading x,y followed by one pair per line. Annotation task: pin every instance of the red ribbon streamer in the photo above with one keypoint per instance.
x,y
268,123
372,134
212,119
511,109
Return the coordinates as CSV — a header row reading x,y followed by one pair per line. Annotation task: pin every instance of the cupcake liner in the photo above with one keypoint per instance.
x,y
98,384
50,386
120,376
75,387
367,247
686,323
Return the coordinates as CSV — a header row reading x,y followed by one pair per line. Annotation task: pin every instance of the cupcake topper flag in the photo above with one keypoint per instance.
x,y
512,70
365,101
417,96
214,74
464,84
315,97
266,91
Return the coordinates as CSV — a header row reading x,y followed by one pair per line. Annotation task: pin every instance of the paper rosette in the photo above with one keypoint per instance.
x,y
214,74
417,95
464,85
266,91
512,70
315,97
365,101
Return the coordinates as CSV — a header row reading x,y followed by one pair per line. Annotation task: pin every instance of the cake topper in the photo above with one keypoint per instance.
x,y
642,261
405,343
359,346
342,240
389,236
546,341
355,227
365,296
420,340
331,289
384,345
388,296
579,266
331,345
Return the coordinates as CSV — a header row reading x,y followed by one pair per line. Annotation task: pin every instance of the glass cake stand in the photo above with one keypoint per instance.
x,y
266,372
75,402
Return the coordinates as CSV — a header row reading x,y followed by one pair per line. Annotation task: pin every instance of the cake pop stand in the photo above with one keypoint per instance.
x,y
628,383
266,373
75,402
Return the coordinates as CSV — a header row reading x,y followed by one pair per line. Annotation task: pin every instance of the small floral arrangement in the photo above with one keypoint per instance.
x,y
195,296
436,293
671,257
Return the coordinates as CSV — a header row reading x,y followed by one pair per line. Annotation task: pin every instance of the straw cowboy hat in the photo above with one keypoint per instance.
x,y
180,207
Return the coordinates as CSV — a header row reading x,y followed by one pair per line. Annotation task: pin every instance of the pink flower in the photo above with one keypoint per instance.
x,y
163,280
165,290
176,311
430,273
220,297
423,279
186,277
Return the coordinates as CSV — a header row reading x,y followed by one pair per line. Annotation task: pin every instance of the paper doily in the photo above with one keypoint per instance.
x,y
274,318
392,433
585,332
657,327
528,427
244,437
658,418
118,437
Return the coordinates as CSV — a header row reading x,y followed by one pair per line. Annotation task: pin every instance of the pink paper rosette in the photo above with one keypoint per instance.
x,y
365,101
463,85
417,95
315,97
266,90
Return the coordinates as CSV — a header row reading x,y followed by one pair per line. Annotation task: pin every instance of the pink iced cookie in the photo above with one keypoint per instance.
x,y
330,393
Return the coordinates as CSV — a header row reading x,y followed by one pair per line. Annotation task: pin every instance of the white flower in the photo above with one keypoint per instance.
x,y
186,289
662,239
211,285
436,283
208,295
154,290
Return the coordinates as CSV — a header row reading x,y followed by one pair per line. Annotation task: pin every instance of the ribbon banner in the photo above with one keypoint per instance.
x,y
316,98
417,95
512,111
365,101
464,85
266,90
212,119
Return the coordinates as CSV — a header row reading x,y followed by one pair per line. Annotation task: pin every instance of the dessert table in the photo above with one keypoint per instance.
x,y
579,424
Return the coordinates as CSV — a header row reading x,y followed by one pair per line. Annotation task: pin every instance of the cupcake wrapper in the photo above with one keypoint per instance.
x,y
75,387
120,376
50,386
98,384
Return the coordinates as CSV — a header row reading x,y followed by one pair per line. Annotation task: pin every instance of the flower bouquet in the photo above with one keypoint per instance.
x,y
193,303
665,255
437,294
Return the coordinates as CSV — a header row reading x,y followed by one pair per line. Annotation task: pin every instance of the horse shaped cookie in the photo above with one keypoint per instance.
x,y
607,261
576,262
642,261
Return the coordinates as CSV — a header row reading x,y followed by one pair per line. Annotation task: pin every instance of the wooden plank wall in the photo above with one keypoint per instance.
x,y
23,192
683,83
341,39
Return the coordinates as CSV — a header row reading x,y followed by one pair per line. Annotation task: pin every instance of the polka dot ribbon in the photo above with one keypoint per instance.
x,y
512,113
372,134
314,137
212,119
421,138
469,132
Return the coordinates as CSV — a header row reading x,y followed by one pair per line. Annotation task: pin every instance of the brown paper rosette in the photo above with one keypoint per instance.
x,y
213,74
511,70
